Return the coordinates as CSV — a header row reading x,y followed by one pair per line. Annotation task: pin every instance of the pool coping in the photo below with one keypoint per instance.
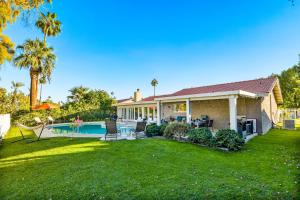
x,y
47,132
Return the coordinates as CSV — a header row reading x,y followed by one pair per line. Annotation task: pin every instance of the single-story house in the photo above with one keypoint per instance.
x,y
255,100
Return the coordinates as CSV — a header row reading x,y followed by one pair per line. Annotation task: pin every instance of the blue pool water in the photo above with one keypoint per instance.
x,y
86,129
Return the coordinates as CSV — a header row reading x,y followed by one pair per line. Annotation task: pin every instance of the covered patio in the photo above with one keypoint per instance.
x,y
224,108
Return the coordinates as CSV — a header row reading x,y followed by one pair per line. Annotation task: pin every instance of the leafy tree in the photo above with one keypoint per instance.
x,y
6,49
8,105
39,59
290,86
78,94
9,11
154,83
48,24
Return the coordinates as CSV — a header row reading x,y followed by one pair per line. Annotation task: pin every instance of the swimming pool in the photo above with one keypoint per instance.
x,y
87,128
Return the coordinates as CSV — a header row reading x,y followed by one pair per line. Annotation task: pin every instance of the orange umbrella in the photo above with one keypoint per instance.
x,y
45,106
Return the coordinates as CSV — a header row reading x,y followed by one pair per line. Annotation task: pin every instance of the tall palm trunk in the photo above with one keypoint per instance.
x,y
154,90
34,75
41,88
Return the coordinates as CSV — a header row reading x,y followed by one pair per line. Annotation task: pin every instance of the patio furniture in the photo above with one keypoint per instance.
x,y
50,120
140,130
210,124
111,129
21,126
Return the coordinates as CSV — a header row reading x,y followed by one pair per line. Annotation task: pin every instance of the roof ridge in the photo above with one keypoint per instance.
x,y
271,77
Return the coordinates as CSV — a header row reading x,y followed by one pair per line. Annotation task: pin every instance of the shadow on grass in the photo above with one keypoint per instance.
x,y
12,147
61,168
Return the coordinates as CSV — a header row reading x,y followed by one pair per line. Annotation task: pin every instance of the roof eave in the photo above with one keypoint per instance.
x,y
210,95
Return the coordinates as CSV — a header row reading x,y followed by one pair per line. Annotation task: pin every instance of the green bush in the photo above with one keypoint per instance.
x,y
230,139
201,136
152,130
176,129
162,129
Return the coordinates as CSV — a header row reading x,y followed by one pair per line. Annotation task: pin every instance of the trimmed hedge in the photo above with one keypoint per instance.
x,y
230,139
176,129
154,130
201,136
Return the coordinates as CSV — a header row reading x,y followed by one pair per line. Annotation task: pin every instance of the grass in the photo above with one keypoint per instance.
x,y
61,168
297,124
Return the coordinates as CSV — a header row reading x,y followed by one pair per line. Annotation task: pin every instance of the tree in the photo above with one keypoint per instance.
x,y
9,11
39,59
6,49
48,24
42,82
78,94
15,87
290,86
154,83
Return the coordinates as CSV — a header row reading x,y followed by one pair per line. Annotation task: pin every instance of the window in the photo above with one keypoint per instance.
x,y
180,107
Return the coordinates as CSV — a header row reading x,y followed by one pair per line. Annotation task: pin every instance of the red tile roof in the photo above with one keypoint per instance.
x,y
262,85
151,98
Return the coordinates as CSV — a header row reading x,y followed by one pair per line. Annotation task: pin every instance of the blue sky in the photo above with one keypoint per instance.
x,y
122,45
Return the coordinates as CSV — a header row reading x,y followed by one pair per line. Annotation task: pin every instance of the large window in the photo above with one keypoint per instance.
x,y
180,107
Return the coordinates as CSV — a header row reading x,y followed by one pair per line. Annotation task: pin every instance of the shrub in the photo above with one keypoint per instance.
x,y
176,129
162,129
201,136
230,139
152,130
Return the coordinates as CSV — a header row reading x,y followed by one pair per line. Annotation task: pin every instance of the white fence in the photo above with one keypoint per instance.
x,y
4,124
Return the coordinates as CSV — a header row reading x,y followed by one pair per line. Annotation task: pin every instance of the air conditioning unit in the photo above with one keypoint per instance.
x,y
253,122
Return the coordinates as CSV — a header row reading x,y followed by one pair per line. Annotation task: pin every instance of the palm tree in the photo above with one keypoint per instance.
x,y
15,87
48,24
154,83
78,93
42,82
39,59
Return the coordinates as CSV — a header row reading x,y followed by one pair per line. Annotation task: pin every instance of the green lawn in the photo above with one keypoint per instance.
x,y
267,168
297,124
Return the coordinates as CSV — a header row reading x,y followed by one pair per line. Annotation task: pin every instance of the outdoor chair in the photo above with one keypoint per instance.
x,y
111,130
140,130
50,120
210,124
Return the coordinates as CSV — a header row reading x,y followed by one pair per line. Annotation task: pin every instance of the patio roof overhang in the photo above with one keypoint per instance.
x,y
209,96
138,103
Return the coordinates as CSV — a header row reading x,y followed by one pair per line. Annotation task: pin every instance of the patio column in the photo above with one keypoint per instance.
x,y
138,112
143,112
233,112
148,113
188,111
126,113
134,113
158,116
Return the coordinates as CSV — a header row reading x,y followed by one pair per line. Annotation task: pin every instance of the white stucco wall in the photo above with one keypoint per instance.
x,y
4,124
